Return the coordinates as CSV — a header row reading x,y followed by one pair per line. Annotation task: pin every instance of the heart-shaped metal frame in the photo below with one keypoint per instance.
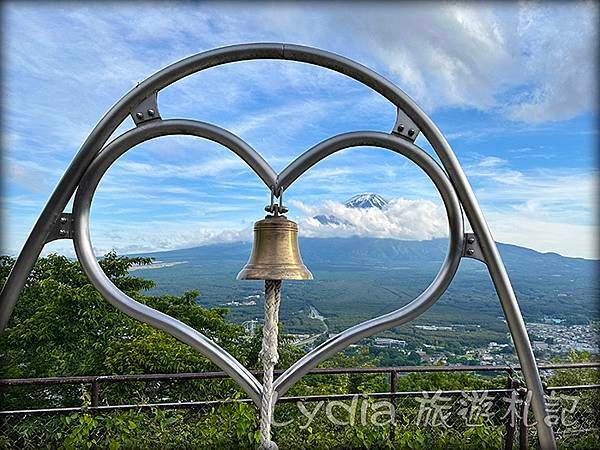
x,y
108,155
93,159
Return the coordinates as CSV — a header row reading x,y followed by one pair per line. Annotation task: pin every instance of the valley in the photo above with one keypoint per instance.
x,y
359,278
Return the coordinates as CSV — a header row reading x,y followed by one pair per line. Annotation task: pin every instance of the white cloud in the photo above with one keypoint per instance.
x,y
530,222
402,219
208,168
491,161
544,209
494,169
558,56
528,230
179,235
155,235
559,195
533,62
35,177
412,41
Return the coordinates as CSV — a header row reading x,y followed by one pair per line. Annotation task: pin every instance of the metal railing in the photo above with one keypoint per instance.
x,y
515,431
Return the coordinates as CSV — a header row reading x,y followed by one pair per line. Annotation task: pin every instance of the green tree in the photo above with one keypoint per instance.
x,y
61,325
574,377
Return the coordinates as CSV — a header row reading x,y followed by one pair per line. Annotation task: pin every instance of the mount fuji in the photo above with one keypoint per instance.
x,y
367,201
360,201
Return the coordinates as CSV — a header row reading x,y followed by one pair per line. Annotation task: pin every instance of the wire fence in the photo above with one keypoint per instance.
x,y
207,410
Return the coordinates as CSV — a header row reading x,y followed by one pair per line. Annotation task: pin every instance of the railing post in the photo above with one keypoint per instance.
x,y
95,392
523,431
509,437
393,387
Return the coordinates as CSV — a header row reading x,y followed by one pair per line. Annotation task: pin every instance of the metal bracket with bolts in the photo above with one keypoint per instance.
x,y
146,110
276,208
63,228
472,249
405,127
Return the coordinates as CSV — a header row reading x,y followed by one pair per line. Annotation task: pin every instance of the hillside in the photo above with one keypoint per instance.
x,y
358,278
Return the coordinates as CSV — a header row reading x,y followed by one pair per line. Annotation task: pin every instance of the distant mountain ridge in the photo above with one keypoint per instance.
x,y
357,278
361,251
371,251
326,219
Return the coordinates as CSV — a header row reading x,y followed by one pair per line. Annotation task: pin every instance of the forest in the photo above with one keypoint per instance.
x,y
63,327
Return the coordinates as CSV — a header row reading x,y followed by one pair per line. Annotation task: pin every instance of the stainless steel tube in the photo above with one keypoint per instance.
x,y
113,118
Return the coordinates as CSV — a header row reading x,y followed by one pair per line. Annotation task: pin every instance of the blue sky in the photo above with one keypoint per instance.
x,y
511,85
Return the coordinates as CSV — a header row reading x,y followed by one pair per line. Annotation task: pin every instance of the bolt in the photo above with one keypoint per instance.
x,y
63,220
151,112
470,252
471,240
139,115
411,132
63,231
401,127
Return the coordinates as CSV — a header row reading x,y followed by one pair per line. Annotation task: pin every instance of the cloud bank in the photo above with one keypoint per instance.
x,y
401,219
532,62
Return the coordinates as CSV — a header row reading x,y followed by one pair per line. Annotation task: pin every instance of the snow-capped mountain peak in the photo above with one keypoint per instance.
x,y
367,201
361,201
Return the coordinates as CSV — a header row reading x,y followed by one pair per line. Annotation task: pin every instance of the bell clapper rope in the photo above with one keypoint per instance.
x,y
268,354
275,257
269,357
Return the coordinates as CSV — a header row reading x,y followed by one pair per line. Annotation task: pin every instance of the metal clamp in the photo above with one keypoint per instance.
x,y
63,228
405,127
276,208
146,110
472,249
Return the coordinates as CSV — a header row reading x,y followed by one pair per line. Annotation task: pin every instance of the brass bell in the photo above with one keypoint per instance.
x,y
275,253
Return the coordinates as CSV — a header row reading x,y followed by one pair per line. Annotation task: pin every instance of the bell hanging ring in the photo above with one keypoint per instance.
x,y
275,253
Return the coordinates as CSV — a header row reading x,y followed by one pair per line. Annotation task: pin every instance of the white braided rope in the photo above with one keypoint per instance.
x,y
269,357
